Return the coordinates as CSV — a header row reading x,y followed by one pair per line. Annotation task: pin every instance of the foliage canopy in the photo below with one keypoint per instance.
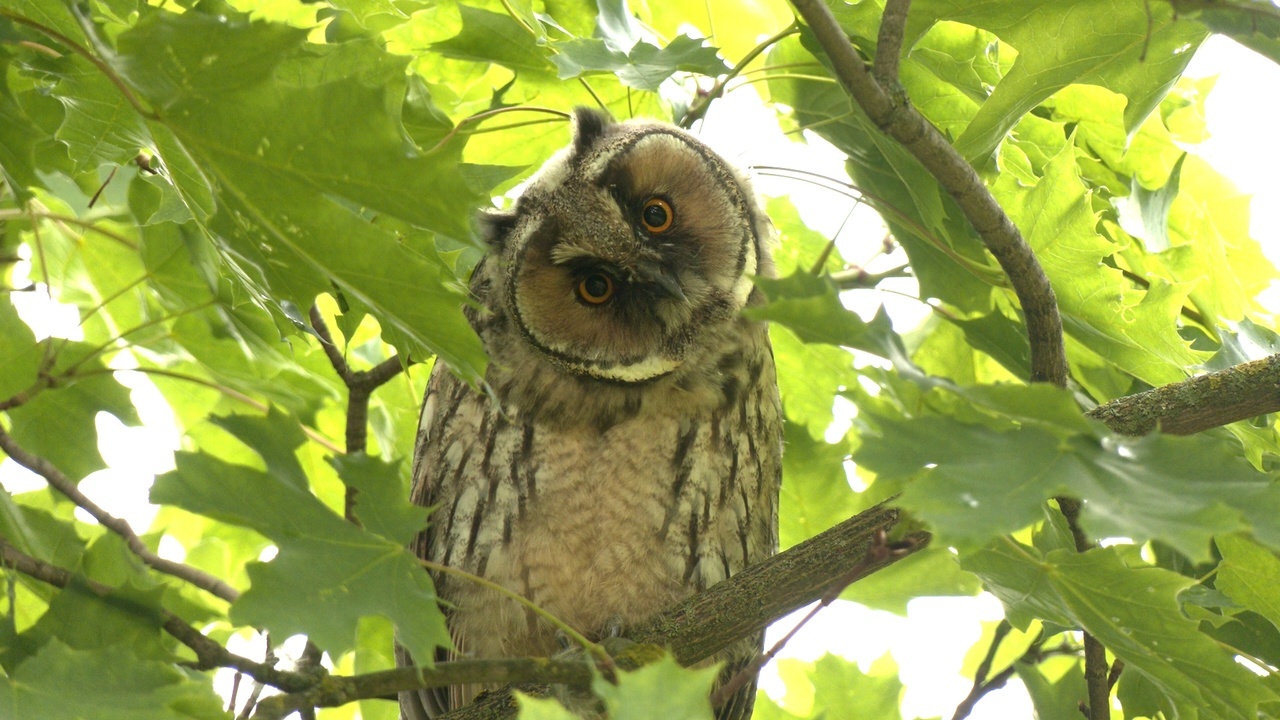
x,y
194,177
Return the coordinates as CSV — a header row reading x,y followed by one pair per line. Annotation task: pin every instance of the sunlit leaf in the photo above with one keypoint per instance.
x,y
109,684
329,573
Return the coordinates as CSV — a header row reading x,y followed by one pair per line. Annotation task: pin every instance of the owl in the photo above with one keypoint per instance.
x,y
626,452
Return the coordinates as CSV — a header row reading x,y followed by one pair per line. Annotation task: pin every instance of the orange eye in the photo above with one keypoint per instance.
x,y
596,288
657,215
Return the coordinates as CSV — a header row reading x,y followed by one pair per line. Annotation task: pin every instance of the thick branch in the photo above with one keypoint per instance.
x,y
66,486
901,121
1200,403
209,654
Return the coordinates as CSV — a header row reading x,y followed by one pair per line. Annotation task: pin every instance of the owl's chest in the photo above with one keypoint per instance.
x,y
598,538
601,528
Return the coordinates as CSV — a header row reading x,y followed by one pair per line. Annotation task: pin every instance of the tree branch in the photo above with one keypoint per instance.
x,y
1200,403
693,630
893,24
698,108
887,106
209,654
706,623
360,386
892,114
337,690
66,486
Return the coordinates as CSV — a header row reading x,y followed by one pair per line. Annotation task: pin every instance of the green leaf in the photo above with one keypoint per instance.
x,y
920,215
19,137
328,573
644,66
660,689
85,620
809,305
1250,574
382,504
38,533
290,206
59,424
19,356
532,708
816,494
930,572
1252,23
1134,613
109,683
809,377
835,686
99,126
981,483
1058,699
1096,42
1151,219
490,37
1136,331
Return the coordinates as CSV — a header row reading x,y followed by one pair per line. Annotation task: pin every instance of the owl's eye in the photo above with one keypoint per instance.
x,y
657,215
596,288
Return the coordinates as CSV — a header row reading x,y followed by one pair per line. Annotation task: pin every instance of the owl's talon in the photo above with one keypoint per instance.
x,y
566,643
616,645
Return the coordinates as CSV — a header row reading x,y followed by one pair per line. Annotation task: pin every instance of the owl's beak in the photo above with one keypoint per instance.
x,y
661,281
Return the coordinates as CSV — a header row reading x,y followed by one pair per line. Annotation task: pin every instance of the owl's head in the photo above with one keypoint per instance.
x,y
629,255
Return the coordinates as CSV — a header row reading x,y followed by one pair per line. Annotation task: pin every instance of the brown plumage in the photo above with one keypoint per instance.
x,y
633,454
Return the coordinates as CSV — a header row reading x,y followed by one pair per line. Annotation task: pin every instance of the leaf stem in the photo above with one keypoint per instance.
x,y
481,116
84,52
601,657
230,392
877,553
982,272
86,224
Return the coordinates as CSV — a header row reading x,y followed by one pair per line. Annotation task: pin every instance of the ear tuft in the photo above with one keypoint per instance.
x,y
588,127
492,226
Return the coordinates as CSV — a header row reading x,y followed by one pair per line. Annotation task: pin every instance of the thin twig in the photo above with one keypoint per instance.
x,y
1095,655
66,486
69,220
981,683
698,108
478,117
859,279
360,386
1113,677
879,551
893,25
209,654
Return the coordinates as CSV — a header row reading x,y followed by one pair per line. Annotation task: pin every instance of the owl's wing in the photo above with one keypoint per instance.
x,y
430,702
